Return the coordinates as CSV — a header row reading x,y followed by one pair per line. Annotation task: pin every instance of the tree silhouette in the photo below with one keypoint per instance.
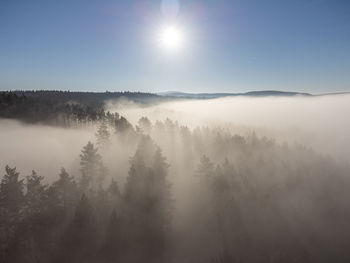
x,y
114,188
122,125
144,125
205,168
102,134
91,167
36,193
148,201
11,191
33,233
63,197
11,208
79,242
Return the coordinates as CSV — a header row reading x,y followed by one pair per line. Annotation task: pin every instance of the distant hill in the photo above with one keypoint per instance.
x,y
64,108
220,95
88,98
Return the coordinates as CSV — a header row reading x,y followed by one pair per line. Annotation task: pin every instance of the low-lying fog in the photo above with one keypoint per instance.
x,y
43,148
250,180
320,122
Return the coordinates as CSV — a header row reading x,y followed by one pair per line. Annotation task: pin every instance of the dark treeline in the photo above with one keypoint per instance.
x,y
202,195
88,219
64,108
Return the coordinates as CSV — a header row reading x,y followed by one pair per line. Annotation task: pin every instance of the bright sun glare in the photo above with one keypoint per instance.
x,y
171,38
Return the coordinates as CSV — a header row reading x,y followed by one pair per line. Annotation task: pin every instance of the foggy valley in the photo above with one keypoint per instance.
x,y
234,179
175,131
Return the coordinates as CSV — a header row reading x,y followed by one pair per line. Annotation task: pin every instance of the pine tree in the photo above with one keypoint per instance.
x,y
112,117
32,242
102,134
123,125
161,188
79,242
114,188
36,193
206,168
11,191
63,196
91,167
11,208
102,174
148,200
144,125
162,201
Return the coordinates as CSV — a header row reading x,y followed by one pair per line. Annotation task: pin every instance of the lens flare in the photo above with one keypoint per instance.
x,y
170,8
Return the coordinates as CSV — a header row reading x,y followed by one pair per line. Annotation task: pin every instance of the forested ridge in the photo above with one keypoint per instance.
x,y
64,108
200,195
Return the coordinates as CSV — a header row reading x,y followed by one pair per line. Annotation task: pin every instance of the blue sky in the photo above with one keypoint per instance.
x,y
230,46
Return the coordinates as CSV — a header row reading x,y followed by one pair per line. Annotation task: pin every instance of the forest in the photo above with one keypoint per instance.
x,y
160,191
64,108
174,131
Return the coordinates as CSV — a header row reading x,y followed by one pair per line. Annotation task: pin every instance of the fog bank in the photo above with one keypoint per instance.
x,y
43,148
320,122
190,181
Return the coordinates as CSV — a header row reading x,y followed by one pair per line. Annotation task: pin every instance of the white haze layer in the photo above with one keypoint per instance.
x,y
41,148
273,183
320,122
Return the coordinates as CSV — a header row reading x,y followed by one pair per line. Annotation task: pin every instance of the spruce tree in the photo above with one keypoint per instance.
x,y
79,243
148,201
36,193
102,134
11,208
91,167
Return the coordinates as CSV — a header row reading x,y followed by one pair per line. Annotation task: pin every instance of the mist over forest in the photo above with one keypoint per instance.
x,y
148,178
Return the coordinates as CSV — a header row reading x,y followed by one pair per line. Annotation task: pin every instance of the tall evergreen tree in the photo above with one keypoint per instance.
x,y
79,242
114,188
148,202
206,168
36,193
123,125
92,168
11,208
63,196
102,134
11,191
145,125
32,241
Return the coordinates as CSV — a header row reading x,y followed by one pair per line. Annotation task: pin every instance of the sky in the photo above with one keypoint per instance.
x,y
228,46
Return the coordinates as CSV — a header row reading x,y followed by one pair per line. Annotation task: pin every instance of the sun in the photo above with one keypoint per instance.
x,y
171,38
